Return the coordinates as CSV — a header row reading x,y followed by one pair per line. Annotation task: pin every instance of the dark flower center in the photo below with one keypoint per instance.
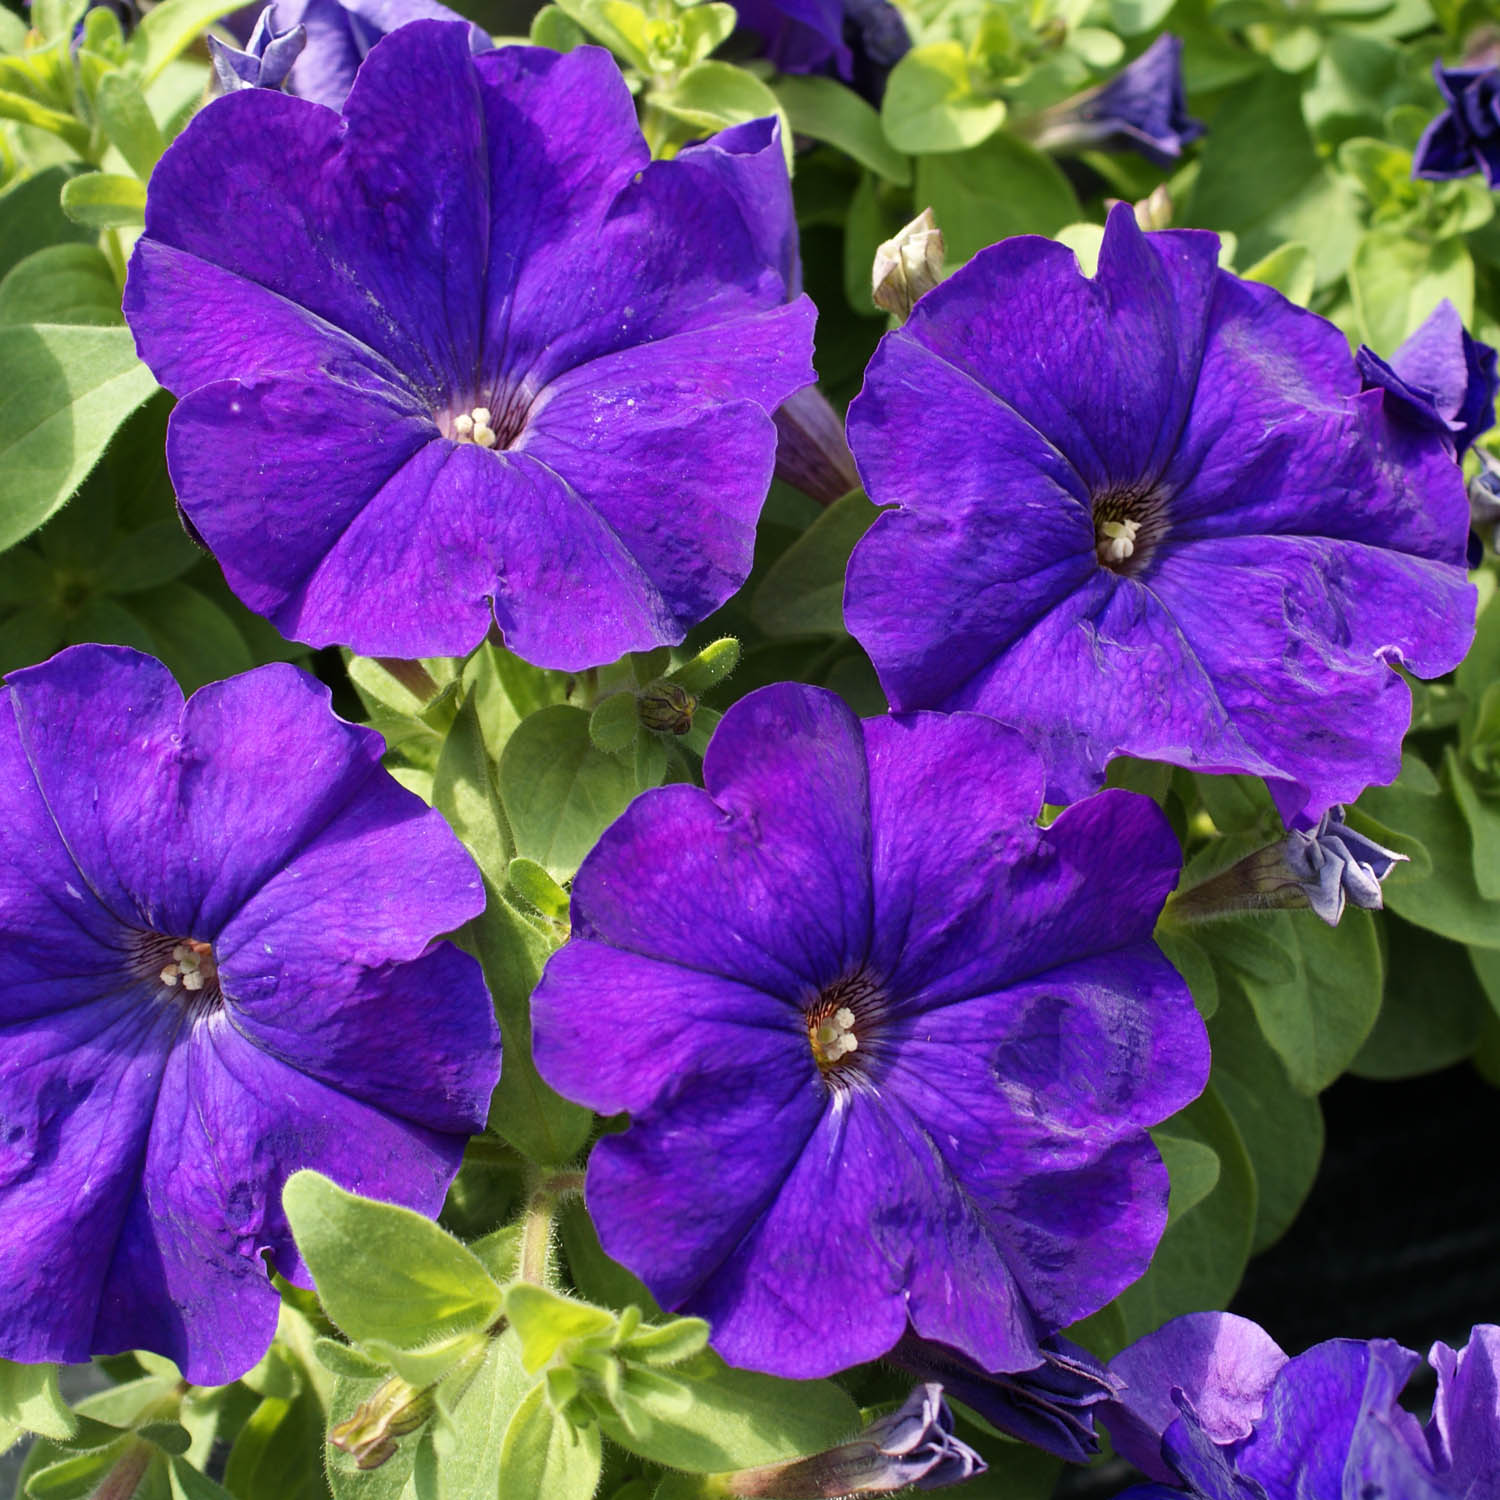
x,y
1128,523
843,1026
185,968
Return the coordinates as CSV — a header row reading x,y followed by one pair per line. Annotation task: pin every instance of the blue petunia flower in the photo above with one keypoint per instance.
x,y
1143,108
217,965
1152,512
467,357
1441,377
1212,1409
1465,137
859,41
889,1049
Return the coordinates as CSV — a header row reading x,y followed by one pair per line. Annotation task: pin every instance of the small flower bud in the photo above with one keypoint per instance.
x,y
812,454
1322,868
266,60
908,264
667,708
914,1445
395,1409
1155,210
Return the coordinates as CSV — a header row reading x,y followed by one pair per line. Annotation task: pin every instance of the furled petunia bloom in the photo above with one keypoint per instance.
x,y
340,34
1049,1406
217,965
265,60
1465,137
889,1049
466,356
1143,108
1151,513
859,41
1211,1408
1442,377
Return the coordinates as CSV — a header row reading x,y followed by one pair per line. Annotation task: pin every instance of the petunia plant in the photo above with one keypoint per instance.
x,y
715,721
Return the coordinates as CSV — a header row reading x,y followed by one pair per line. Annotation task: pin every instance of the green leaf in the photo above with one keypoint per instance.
x,y
545,1321
1419,816
536,1121
1001,188
63,392
1202,1255
559,790
278,1452
31,217
543,1454
31,1402
29,111
129,123
191,634
1432,1009
1193,1167
615,723
803,592
1132,17
61,284
736,1418
1282,1129
171,28
385,1272
105,200
1261,178
1291,269
467,1447
1398,280
188,1483
463,790
713,94
930,104
553,27
825,110
538,889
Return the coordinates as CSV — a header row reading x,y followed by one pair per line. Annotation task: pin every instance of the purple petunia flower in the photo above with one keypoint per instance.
x,y
1143,108
216,966
1211,1408
1441,377
889,1048
1465,137
1151,513
466,356
859,41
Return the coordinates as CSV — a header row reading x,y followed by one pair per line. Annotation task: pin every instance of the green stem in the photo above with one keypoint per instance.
x,y
537,1260
129,1469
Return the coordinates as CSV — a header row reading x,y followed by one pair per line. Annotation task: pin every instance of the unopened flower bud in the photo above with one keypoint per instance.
x,y
1323,868
913,1446
667,708
395,1409
812,453
1154,211
908,264
266,60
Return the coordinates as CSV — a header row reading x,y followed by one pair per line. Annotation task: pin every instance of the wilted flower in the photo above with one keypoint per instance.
x,y
1143,108
1049,1406
1211,1408
217,965
466,356
1465,137
1152,513
912,1447
1441,377
859,41
267,57
907,265
889,1049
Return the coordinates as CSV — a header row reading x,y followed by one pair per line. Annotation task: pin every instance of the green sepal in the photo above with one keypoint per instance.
x,y
539,890
544,1321
708,667
105,200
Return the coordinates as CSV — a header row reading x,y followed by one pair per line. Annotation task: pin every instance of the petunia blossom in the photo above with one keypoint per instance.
x,y
217,965
1465,137
1210,1408
1152,513
858,41
889,1049
1442,377
466,357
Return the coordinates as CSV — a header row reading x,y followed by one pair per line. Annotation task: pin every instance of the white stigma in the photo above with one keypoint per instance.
x,y
834,1037
1120,540
474,427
